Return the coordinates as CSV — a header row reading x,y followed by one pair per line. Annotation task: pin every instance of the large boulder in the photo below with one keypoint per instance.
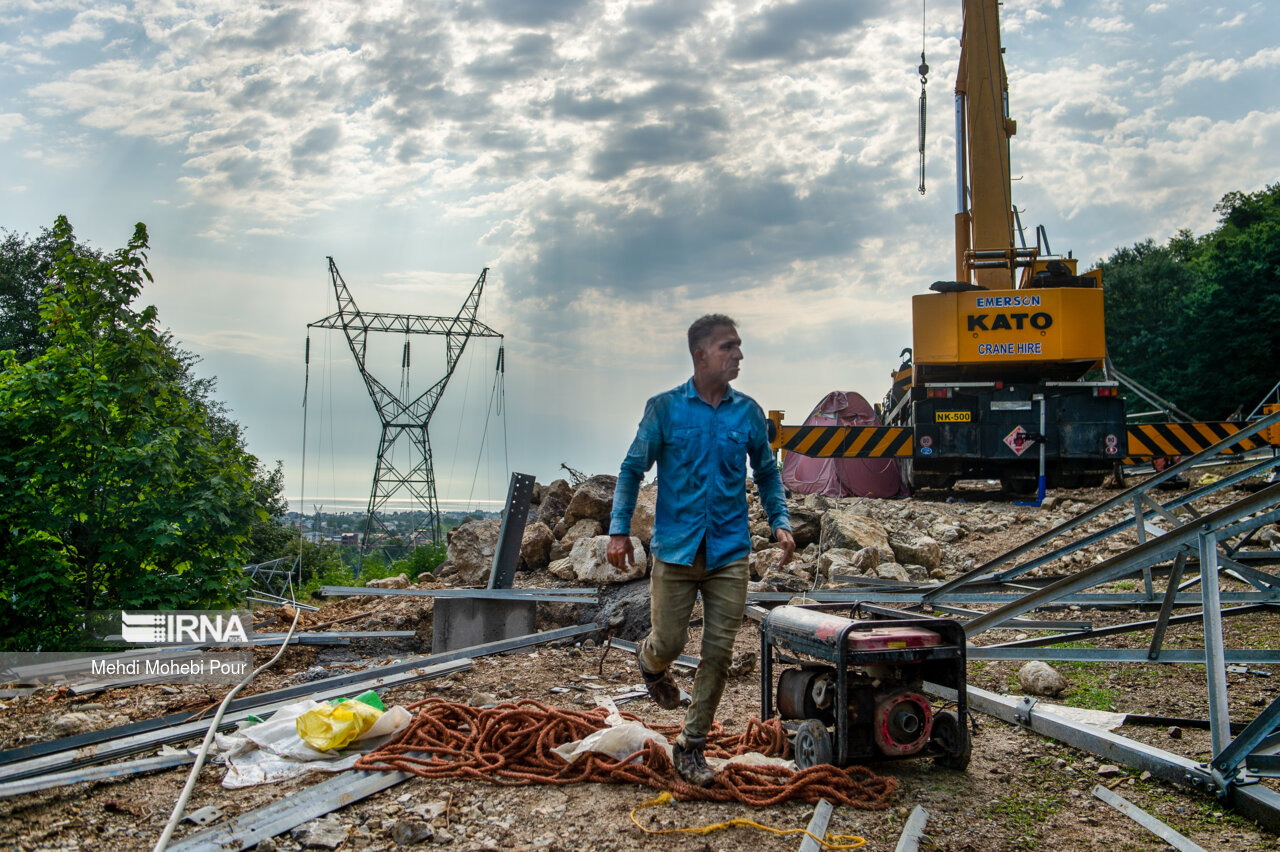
x,y
785,581
848,529
919,550
642,517
588,562
836,561
806,524
535,546
585,528
560,489
550,511
400,581
592,499
866,560
892,571
471,545
764,561
554,502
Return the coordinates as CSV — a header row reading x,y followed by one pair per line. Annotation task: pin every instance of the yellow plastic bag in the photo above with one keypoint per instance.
x,y
331,726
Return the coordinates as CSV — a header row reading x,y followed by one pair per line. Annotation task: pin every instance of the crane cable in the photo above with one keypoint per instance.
x,y
924,78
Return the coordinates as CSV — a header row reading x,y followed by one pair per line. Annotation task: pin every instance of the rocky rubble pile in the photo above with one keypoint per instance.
x,y
837,540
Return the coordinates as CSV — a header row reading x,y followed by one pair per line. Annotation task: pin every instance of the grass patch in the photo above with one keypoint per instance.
x,y
1090,682
1026,815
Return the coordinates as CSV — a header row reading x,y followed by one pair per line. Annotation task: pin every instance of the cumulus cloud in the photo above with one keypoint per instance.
x,y
622,151
10,123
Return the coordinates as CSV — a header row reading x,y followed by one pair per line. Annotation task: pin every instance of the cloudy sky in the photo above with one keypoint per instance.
x,y
621,167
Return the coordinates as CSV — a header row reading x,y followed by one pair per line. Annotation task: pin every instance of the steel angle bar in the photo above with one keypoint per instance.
x,y
1096,600
1215,655
330,687
1250,523
562,595
507,554
817,826
282,601
504,645
1123,564
1260,580
305,638
1250,656
1131,627
249,829
1166,605
1227,760
1257,802
270,639
1181,501
1110,503
913,831
1160,763
877,582
1264,765
1021,623
1159,829
630,647
95,773
135,743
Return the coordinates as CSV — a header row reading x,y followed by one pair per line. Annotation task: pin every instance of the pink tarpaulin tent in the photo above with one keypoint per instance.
x,y
842,477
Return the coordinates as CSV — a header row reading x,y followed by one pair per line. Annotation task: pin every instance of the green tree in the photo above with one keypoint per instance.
x,y
1198,320
269,537
1146,296
25,267
121,487
1236,313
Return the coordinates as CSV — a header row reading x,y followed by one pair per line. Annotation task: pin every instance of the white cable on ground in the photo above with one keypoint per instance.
x,y
179,808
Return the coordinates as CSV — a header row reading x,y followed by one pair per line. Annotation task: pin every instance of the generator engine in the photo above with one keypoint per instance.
x,y
860,695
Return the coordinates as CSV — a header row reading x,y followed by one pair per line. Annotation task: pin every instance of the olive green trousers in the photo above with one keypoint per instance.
x,y
672,592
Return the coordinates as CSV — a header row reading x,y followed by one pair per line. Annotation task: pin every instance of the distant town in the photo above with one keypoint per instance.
x,y
345,528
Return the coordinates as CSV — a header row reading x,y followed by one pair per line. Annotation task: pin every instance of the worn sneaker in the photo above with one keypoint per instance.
x,y
686,754
662,689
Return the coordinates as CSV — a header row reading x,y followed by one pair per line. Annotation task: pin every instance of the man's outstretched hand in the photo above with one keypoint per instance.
x,y
785,540
621,551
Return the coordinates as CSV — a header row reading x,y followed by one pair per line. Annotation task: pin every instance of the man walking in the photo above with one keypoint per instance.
x,y
701,434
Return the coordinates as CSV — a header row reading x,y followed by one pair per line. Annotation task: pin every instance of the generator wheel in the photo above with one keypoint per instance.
x,y
951,738
813,744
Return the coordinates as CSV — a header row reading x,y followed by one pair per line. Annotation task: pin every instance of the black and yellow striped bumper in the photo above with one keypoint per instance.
x,y
1150,440
861,442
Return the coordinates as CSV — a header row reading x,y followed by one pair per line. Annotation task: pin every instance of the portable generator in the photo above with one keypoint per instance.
x,y
854,691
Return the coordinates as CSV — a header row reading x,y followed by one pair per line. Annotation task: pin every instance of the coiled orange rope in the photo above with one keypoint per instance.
x,y
511,744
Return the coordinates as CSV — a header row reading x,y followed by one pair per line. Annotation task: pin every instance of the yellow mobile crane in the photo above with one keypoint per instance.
x,y
994,385
999,353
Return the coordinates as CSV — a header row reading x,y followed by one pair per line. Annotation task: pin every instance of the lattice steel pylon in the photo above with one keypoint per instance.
x,y
404,417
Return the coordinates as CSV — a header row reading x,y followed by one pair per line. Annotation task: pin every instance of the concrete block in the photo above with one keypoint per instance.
x,y
462,622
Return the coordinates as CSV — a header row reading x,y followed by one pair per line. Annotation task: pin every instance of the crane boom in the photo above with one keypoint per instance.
x,y
984,215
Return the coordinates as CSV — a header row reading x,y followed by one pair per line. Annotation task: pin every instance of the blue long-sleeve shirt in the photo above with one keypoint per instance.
x,y
701,454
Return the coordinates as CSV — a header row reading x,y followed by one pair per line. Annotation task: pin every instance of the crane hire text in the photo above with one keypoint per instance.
x,y
1039,320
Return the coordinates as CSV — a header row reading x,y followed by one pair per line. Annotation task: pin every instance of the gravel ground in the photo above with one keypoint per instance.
x,y
1021,791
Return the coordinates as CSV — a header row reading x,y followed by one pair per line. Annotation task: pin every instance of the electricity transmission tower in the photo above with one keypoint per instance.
x,y
404,417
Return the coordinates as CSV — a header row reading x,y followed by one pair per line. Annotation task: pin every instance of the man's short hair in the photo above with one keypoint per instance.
x,y
703,327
